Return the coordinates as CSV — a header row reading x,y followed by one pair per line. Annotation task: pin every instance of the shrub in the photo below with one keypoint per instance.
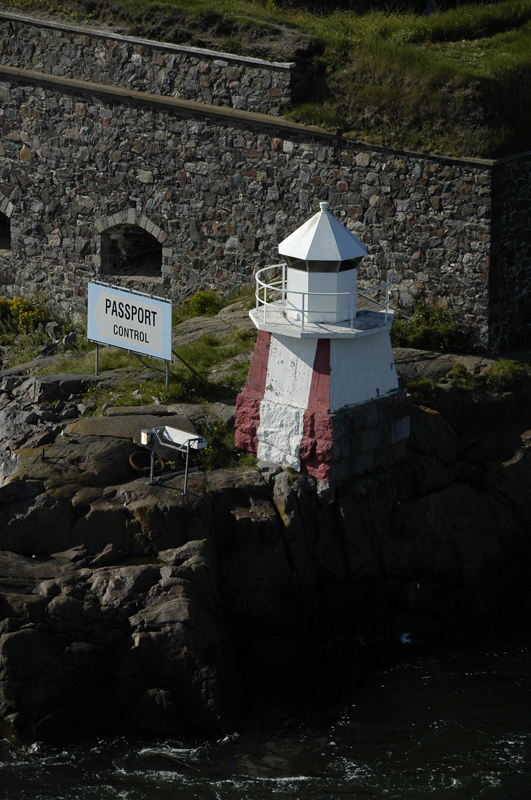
x,y
204,304
20,315
462,376
26,314
4,310
458,372
220,450
430,328
505,375
422,387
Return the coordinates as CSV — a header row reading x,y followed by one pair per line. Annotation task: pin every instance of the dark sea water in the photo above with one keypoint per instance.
x,y
444,719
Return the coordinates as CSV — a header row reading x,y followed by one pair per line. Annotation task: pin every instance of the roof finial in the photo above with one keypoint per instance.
x,y
324,207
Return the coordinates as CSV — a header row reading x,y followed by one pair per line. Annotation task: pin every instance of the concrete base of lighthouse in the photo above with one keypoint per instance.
x,y
292,413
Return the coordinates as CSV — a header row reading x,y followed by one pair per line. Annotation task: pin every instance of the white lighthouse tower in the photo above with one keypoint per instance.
x,y
322,392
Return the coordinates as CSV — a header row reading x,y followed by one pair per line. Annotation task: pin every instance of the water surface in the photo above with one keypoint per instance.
x,y
447,719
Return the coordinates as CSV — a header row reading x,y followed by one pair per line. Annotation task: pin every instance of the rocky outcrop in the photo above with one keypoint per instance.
x,y
128,603
143,644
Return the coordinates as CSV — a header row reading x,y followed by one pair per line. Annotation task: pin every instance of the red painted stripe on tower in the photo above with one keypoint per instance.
x,y
317,444
247,422
319,399
248,402
256,378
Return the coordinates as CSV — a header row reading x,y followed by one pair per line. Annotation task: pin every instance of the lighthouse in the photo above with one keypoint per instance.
x,y
322,393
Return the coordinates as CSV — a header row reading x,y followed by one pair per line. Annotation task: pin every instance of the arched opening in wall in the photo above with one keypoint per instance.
x,y
130,250
5,234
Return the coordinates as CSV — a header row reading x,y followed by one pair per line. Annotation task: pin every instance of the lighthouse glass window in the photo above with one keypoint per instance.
x,y
321,266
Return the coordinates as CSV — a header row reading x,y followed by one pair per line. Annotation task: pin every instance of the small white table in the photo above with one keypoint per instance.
x,y
175,439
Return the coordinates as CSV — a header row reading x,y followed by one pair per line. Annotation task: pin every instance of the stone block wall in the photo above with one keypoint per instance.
x,y
510,274
370,435
220,193
218,188
110,59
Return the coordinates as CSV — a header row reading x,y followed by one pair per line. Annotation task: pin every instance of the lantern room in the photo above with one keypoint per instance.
x,y
322,258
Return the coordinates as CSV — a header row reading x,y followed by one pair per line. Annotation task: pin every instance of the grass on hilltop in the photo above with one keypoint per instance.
x,y
458,81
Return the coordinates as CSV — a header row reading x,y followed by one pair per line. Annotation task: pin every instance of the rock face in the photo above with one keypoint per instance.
x,y
113,644
126,603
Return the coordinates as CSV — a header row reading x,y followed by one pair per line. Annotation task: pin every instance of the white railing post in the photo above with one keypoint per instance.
x,y
302,317
284,290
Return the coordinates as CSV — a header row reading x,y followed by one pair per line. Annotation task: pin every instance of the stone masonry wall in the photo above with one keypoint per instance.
x,y
103,133
510,276
370,435
110,59
220,192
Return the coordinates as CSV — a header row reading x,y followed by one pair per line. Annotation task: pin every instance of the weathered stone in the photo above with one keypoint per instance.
x,y
432,435
268,551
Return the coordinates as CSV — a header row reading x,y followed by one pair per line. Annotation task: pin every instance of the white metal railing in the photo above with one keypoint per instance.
x,y
274,287
272,295
385,304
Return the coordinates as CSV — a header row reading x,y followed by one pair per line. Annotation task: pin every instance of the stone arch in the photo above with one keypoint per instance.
x,y
6,210
131,245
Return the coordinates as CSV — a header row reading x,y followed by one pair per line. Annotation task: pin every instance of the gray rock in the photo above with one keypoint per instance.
x,y
126,425
196,413
153,410
268,471
223,412
70,339
432,435
109,555
53,329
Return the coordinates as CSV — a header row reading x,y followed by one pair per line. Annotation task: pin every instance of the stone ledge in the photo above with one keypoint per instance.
x,y
171,103
83,30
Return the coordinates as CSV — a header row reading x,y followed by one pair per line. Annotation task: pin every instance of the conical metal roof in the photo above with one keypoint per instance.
x,y
322,238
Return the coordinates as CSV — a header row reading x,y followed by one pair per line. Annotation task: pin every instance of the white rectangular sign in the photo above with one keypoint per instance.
x,y
130,320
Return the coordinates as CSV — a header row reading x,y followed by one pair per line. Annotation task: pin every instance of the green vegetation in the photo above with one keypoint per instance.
x,y
22,334
21,315
220,450
201,304
458,81
21,330
219,365
505,375
129,391
464,379
208,303
23,338
430,328
219,369
292,474
421,389
203,355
